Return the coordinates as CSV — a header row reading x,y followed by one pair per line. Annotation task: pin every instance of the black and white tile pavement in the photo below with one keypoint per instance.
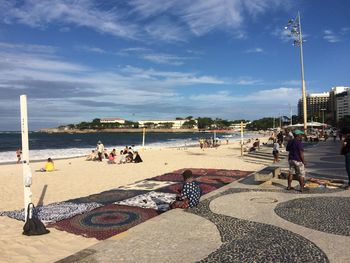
x,y
326,214
246,241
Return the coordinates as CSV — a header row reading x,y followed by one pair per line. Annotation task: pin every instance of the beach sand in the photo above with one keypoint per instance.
x,y
77,178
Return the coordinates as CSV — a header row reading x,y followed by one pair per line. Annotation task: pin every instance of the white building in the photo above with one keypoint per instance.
x,y
112,120
177,124
343,103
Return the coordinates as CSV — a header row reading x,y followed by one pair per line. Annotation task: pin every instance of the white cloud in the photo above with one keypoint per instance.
x,y
247,81
140,19
293,82
92,49
83,13
330,36
255,50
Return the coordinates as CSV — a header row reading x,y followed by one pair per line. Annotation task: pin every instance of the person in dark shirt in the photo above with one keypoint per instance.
x,y
190,193
345,150
296,159
137,158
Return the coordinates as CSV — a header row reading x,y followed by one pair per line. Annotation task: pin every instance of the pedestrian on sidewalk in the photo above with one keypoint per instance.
x,y
296,160
345,150
275,151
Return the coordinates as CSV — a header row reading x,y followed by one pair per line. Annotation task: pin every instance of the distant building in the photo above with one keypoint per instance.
x,y
112,120
176,124
337,110
316,103
342,103
330,106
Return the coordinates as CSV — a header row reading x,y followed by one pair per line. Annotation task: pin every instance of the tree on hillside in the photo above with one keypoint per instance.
x,y
189,118
261,124
165,125
190,124
204,123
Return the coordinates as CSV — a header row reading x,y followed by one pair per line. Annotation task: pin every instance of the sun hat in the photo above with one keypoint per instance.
x,y
99,142
298,132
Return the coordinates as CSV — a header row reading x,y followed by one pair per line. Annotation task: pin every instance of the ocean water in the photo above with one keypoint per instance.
x,y
64,145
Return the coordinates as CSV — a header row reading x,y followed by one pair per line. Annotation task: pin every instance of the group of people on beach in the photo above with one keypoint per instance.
x,y
208,143
127,155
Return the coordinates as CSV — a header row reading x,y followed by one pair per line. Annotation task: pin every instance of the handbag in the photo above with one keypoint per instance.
x,y
33,226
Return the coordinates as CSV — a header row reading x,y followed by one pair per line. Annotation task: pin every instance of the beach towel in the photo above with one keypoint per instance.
x,y
54,212
155,200
176,176
108,197
176,188
106,221
146,185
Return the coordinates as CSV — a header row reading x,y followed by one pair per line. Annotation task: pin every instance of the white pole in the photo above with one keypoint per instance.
x,y
143,137
303,88
27,175
241,138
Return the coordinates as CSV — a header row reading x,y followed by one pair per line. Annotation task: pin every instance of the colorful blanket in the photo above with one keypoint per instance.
x,y
54,212
108,197
176,176
146,185
154,200
105,222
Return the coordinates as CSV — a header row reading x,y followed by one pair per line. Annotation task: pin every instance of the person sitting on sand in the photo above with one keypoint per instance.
x,y
137,158
105,153
190,193
122,157
114,153
91,156
129,157
49,166
19,155
111,159
126,150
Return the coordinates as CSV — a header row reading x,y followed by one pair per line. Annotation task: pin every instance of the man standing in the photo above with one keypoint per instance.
x,y
345,150
296,160
100,149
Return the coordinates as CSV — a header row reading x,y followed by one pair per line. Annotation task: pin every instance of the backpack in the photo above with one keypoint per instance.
x,y
33,226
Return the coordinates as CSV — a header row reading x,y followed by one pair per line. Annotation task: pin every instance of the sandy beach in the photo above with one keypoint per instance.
x,y
77,178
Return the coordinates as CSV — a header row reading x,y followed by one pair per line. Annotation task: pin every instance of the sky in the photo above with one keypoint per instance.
x,y
77,60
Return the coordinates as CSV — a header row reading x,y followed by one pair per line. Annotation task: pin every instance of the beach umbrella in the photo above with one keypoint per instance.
x,y
27,174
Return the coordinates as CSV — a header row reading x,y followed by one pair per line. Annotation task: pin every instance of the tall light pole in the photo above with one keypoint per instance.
x,y
295,31
323,110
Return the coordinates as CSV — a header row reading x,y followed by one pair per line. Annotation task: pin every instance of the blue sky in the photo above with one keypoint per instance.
x,y
156,59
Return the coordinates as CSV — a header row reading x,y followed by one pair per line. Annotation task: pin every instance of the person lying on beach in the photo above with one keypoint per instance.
x,y
190,193
49,166
137,158
92,156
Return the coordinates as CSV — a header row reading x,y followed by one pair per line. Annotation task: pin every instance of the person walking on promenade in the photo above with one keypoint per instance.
x,y
100,149
275,151
296,160
345,150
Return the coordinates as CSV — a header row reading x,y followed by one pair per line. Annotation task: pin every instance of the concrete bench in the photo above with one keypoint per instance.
x,y
267,173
